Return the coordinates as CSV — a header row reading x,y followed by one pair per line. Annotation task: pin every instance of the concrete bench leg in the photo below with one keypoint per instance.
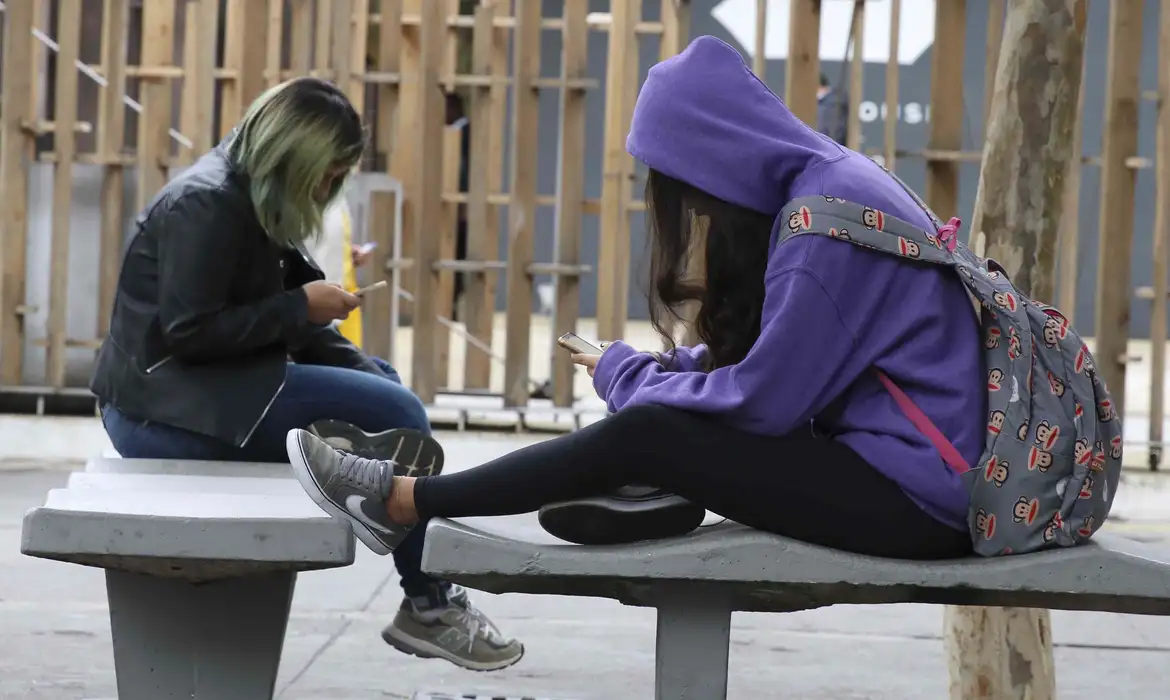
x,y
175,639
691,650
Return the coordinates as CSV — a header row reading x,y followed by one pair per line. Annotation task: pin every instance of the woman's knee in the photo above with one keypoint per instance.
x,y
641,418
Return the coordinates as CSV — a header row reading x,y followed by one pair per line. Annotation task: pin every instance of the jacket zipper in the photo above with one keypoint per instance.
x,y
160,363
264,412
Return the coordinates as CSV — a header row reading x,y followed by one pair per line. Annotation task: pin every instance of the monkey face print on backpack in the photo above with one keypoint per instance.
x,y
1052,456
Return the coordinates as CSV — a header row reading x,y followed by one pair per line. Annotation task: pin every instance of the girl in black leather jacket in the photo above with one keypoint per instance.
x,y
220,340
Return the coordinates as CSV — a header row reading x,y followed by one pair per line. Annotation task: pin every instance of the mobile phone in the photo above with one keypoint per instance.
x,y
575,343
373,287
367,247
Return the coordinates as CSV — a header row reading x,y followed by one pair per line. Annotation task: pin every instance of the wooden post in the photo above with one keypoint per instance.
x,y
404,156
613,248
946,106
856,77
449,225
893,74
428,170
522,209
16,116
1119,143
489,57
65,146
198,97
358,42
570,192
803,68
301,36
1161,236
154,139
272,58
111,140
377,312
322,41
760,57
1006,653
245,53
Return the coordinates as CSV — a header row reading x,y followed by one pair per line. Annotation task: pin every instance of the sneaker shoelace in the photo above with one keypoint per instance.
x,y
372,475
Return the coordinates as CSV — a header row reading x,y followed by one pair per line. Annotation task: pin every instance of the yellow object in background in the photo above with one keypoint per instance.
x,y
351,327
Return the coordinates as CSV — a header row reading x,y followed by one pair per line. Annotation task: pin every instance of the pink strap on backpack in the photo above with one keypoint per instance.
x,y
949,454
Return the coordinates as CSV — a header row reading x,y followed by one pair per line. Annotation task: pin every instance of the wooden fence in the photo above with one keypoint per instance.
x,y
175,75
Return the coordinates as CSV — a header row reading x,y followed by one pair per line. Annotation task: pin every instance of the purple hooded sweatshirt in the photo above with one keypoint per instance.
x,y
832,311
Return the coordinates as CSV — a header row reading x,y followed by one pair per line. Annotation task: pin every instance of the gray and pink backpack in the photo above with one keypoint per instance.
x,y
1052,457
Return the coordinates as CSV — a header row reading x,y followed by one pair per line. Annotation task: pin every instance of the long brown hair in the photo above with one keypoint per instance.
x,y
735,250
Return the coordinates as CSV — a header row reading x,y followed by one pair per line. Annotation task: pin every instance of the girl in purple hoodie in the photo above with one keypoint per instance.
x,y
777,420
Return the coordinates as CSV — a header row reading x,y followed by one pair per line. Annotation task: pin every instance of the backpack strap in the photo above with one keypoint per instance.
x,y
950,455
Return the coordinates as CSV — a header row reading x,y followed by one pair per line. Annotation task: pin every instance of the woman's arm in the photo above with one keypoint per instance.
x,y
198,239
685,359
796,366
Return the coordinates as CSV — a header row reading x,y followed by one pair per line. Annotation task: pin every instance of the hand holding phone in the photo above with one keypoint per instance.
x,y
367,247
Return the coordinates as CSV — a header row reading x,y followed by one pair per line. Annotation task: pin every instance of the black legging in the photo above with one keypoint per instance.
x,y
800,486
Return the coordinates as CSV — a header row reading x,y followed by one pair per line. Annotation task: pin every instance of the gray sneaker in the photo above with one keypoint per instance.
x,y
458,632
355,489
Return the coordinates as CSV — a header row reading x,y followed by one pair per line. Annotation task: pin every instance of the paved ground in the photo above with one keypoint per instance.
x,y
56,644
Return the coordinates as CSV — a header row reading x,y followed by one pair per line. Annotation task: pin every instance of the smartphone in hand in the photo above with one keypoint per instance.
x,y
576,344
380,284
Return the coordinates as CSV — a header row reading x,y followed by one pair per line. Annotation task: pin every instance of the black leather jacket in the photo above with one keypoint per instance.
x,y
209,311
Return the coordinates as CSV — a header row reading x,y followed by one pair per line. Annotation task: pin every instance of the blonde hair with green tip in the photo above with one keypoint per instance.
x,y
293,138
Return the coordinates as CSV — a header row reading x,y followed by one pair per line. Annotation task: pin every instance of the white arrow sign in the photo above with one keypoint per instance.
x,y
916,33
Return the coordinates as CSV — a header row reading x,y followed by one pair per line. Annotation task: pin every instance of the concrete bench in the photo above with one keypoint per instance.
x,y
201,559
697,581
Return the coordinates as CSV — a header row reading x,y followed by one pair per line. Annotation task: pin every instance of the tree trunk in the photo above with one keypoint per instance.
x,y
1006,653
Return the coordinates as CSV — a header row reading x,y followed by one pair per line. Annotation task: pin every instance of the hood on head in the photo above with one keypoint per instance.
x,y
704,118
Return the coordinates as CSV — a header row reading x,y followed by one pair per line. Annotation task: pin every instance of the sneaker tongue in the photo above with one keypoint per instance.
x,y
373,475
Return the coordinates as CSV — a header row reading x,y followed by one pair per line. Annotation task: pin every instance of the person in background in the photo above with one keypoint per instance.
x,y
339,259
222,337
832,111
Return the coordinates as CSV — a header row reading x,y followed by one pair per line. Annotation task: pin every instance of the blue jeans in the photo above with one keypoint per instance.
x,y
311,393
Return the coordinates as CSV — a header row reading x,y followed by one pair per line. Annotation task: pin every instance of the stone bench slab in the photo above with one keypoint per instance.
x,y
117,481
754,571
189,467
206,535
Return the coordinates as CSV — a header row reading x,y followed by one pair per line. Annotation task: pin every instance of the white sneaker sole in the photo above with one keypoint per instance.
x,y
423,649
304,474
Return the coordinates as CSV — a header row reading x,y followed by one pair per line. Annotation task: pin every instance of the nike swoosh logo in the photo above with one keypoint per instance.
x,y
353,504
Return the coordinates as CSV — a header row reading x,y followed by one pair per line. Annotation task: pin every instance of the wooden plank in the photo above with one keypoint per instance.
x,y
198,95
301,35
613,249
449,227
65,145
358,56
272,59
893,75
429,197
452,142
154,139
570,193
111,139
522,211
340,50
404,156
946,106
322,40
487,114
245,52
1006,653
378,322
1119,142
1161,237
856,77
16,95
802,70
